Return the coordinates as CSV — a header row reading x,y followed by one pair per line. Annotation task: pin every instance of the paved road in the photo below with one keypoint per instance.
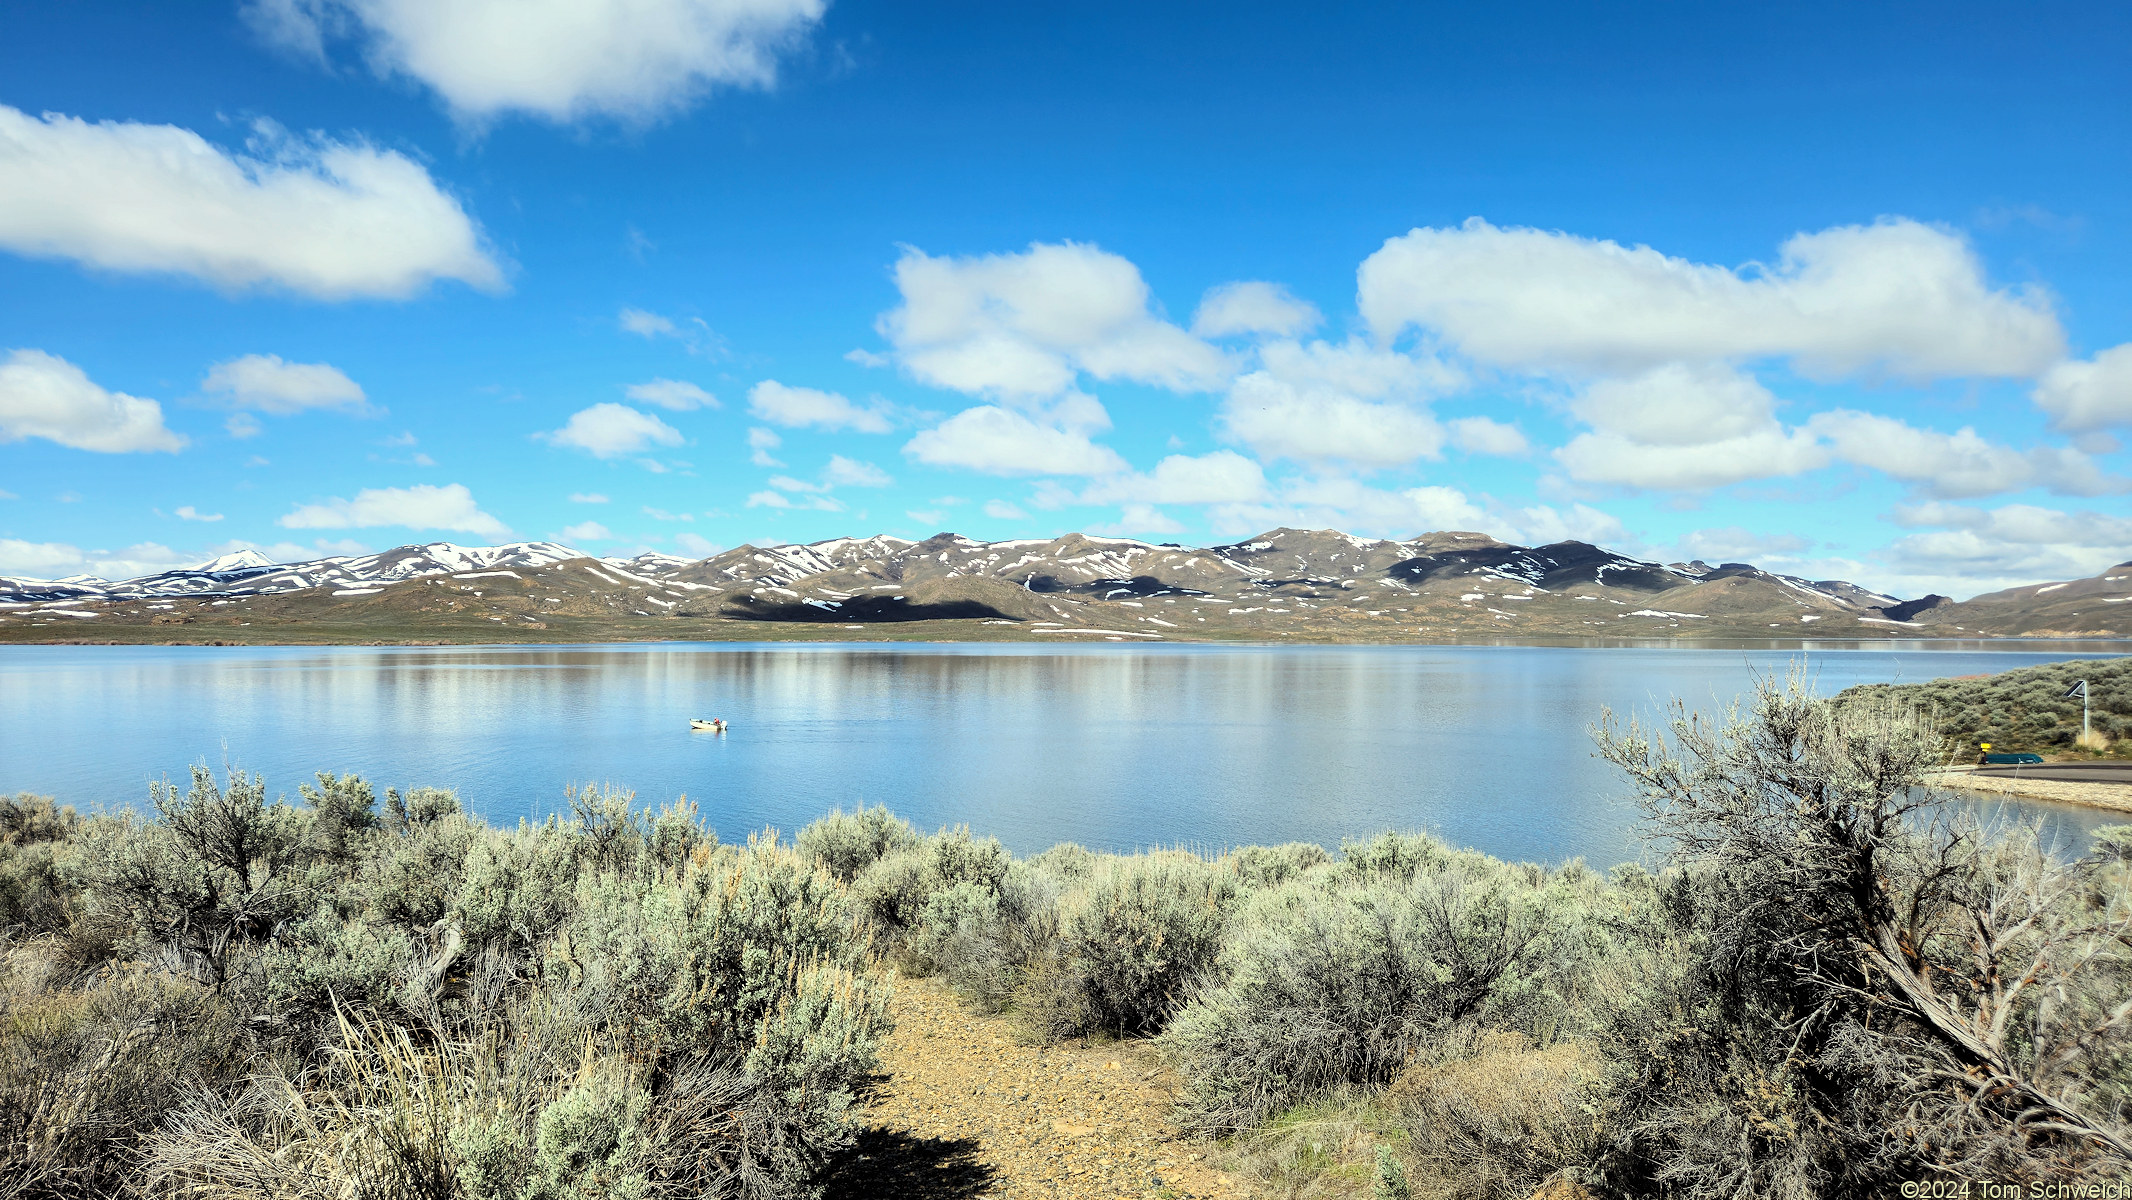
x,y
2097,772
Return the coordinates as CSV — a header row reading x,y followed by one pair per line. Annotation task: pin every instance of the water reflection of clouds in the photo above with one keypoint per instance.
x,y
1111,746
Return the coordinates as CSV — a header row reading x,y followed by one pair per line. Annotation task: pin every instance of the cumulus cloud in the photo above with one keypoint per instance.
x,y
846,472
61,560
271,385
321,218
187,512
800,407
2090,395
563,60
1222,477
45,396
697,544
423,506
1022,327
1001,441
1481,435
1965,549
586,531
806,499
1350,505
1895,296
646,324
1614,460
1960,465
608,430
1346,403
1233,309
1735,544
673,394
1683,426
760,442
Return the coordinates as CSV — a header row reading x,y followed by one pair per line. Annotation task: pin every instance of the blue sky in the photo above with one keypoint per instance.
x,y
1837,289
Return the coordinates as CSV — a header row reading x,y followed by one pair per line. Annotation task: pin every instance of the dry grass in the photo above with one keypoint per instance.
x,y
1325,1151
2094,740
1505,1121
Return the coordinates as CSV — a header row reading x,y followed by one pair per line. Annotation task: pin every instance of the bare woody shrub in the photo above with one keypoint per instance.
x,y
1882,991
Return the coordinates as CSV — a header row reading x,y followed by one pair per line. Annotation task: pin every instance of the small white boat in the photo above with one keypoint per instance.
x,y
714,725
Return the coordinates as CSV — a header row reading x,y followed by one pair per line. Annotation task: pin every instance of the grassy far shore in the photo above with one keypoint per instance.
x,y
1833,987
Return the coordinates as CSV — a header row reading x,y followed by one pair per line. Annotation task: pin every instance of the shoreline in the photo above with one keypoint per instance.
x,y
2109,797
890,634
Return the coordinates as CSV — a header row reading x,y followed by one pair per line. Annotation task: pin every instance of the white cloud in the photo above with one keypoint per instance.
x,y
59,560
1001,510
845,472
1684,426
1139,519
646,324
587,498
1021,327
1735,544
45,396
1969,550
1352,507
1349,505
1678,404
760,442
799,407
187,512
1230,309
321,218
1898,296
1347,403
1611,459
607,430
564,60
1481,435
660,514
672,394
1960,465
1222,477
586,531
2090,395
423,506
242,425
998,441
266,383
697,544
777,499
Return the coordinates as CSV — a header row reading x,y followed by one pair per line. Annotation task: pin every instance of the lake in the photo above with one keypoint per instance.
x,y
1111,746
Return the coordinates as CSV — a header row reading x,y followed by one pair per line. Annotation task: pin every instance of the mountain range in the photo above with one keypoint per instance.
x,y
1292,584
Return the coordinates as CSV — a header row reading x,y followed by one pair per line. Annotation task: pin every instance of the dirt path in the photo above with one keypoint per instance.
x,y
967,1111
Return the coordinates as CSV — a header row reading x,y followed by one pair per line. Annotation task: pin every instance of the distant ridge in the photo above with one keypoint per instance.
x,y
1310,584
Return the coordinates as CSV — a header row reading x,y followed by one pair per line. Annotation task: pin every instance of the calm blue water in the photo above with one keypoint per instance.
x,y
1110,746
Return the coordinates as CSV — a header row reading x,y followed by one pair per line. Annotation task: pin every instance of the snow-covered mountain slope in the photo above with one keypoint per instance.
x,y
247,573
1437,581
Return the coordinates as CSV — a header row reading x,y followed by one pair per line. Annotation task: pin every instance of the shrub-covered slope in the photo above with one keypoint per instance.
x,y
2025,708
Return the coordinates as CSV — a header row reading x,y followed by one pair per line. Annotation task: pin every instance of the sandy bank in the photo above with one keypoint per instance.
x,y
2116,797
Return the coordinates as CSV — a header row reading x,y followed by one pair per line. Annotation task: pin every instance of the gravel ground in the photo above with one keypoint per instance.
x,y
964,1110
